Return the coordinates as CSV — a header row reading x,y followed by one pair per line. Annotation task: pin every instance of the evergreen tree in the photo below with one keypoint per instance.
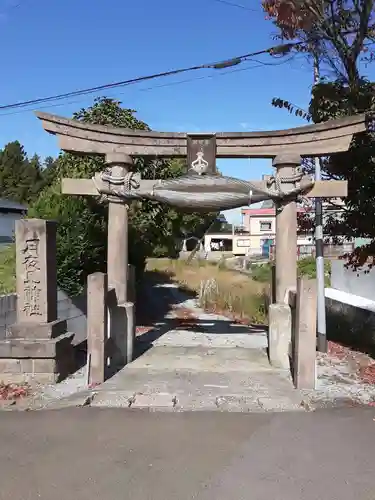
x,y
13,161
49,171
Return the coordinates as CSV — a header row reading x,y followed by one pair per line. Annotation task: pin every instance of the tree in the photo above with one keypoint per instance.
x,y
21,178
82,221
336,33
357,166
32,178
13,181
49,171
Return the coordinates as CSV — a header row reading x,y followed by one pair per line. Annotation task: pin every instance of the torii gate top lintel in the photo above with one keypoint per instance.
x,y
320,139
202,189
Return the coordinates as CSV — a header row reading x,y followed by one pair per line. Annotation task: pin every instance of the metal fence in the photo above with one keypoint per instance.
x,y
330,251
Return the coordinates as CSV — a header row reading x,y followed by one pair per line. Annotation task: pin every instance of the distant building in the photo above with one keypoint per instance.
x,y
260,223
10,211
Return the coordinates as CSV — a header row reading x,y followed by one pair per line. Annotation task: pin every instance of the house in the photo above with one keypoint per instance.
x,y
236,242
260,223
10,211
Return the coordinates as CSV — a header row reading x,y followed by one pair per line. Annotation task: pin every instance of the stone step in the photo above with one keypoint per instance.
x,y
170,401
194,382
193,378
189,338
201,358
207,382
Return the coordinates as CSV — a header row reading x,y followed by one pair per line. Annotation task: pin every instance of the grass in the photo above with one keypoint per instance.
x,y
7,270
219,289
305,267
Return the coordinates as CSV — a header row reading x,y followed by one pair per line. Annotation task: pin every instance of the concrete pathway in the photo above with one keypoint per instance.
x,y
191,360
89,453
211,364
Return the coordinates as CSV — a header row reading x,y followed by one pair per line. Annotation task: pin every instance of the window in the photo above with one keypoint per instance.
x,y
243,243
265,226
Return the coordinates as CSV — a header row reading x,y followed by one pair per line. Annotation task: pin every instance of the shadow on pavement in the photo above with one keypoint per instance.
x,y
155,300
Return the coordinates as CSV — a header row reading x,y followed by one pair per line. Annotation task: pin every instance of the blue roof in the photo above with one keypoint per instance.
x,y
12,205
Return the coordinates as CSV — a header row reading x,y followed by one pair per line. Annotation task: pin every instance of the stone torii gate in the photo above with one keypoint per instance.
x,y
202,189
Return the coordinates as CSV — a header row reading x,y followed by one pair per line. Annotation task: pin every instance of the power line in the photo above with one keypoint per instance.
x,y
279,49
169,84
233,4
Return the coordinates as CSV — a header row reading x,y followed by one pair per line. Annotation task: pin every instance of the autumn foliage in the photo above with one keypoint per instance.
x,y
290,16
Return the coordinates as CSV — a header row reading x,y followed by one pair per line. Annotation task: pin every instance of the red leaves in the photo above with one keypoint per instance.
x,y
14,391
364,366
140,330
367,374
289,15
185,317
362,256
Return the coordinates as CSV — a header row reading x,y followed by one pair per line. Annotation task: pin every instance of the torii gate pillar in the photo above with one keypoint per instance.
x,y
280,316
286,230
121,312
117,252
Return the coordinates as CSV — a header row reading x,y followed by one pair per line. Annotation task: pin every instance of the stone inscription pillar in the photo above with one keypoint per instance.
x,y
37,346
36,271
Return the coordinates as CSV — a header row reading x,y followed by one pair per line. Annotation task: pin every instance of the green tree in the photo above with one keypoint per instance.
x,y
82,221
32,178
357,166
338,36
49,170
13,182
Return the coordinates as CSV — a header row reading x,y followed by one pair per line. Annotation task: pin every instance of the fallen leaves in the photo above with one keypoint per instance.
x,y
185,317
367,374
10,392
140,330
363,365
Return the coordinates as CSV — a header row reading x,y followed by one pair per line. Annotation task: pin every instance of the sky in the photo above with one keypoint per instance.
x,y
56,46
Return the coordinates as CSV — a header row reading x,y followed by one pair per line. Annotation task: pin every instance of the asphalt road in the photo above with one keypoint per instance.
x,y
88,453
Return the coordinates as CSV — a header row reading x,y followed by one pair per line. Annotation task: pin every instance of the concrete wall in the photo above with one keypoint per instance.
x,y
351,320
74,310
350,307
358,283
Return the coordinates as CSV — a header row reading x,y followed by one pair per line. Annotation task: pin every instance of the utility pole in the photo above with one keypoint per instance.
x,y
319,248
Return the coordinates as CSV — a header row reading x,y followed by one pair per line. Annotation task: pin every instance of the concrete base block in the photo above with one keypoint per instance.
x,y
279,335
39,360
49,330
122,333
21,378
130,330
35,348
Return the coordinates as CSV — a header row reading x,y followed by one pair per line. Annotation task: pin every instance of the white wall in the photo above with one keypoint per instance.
x,y
255,225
